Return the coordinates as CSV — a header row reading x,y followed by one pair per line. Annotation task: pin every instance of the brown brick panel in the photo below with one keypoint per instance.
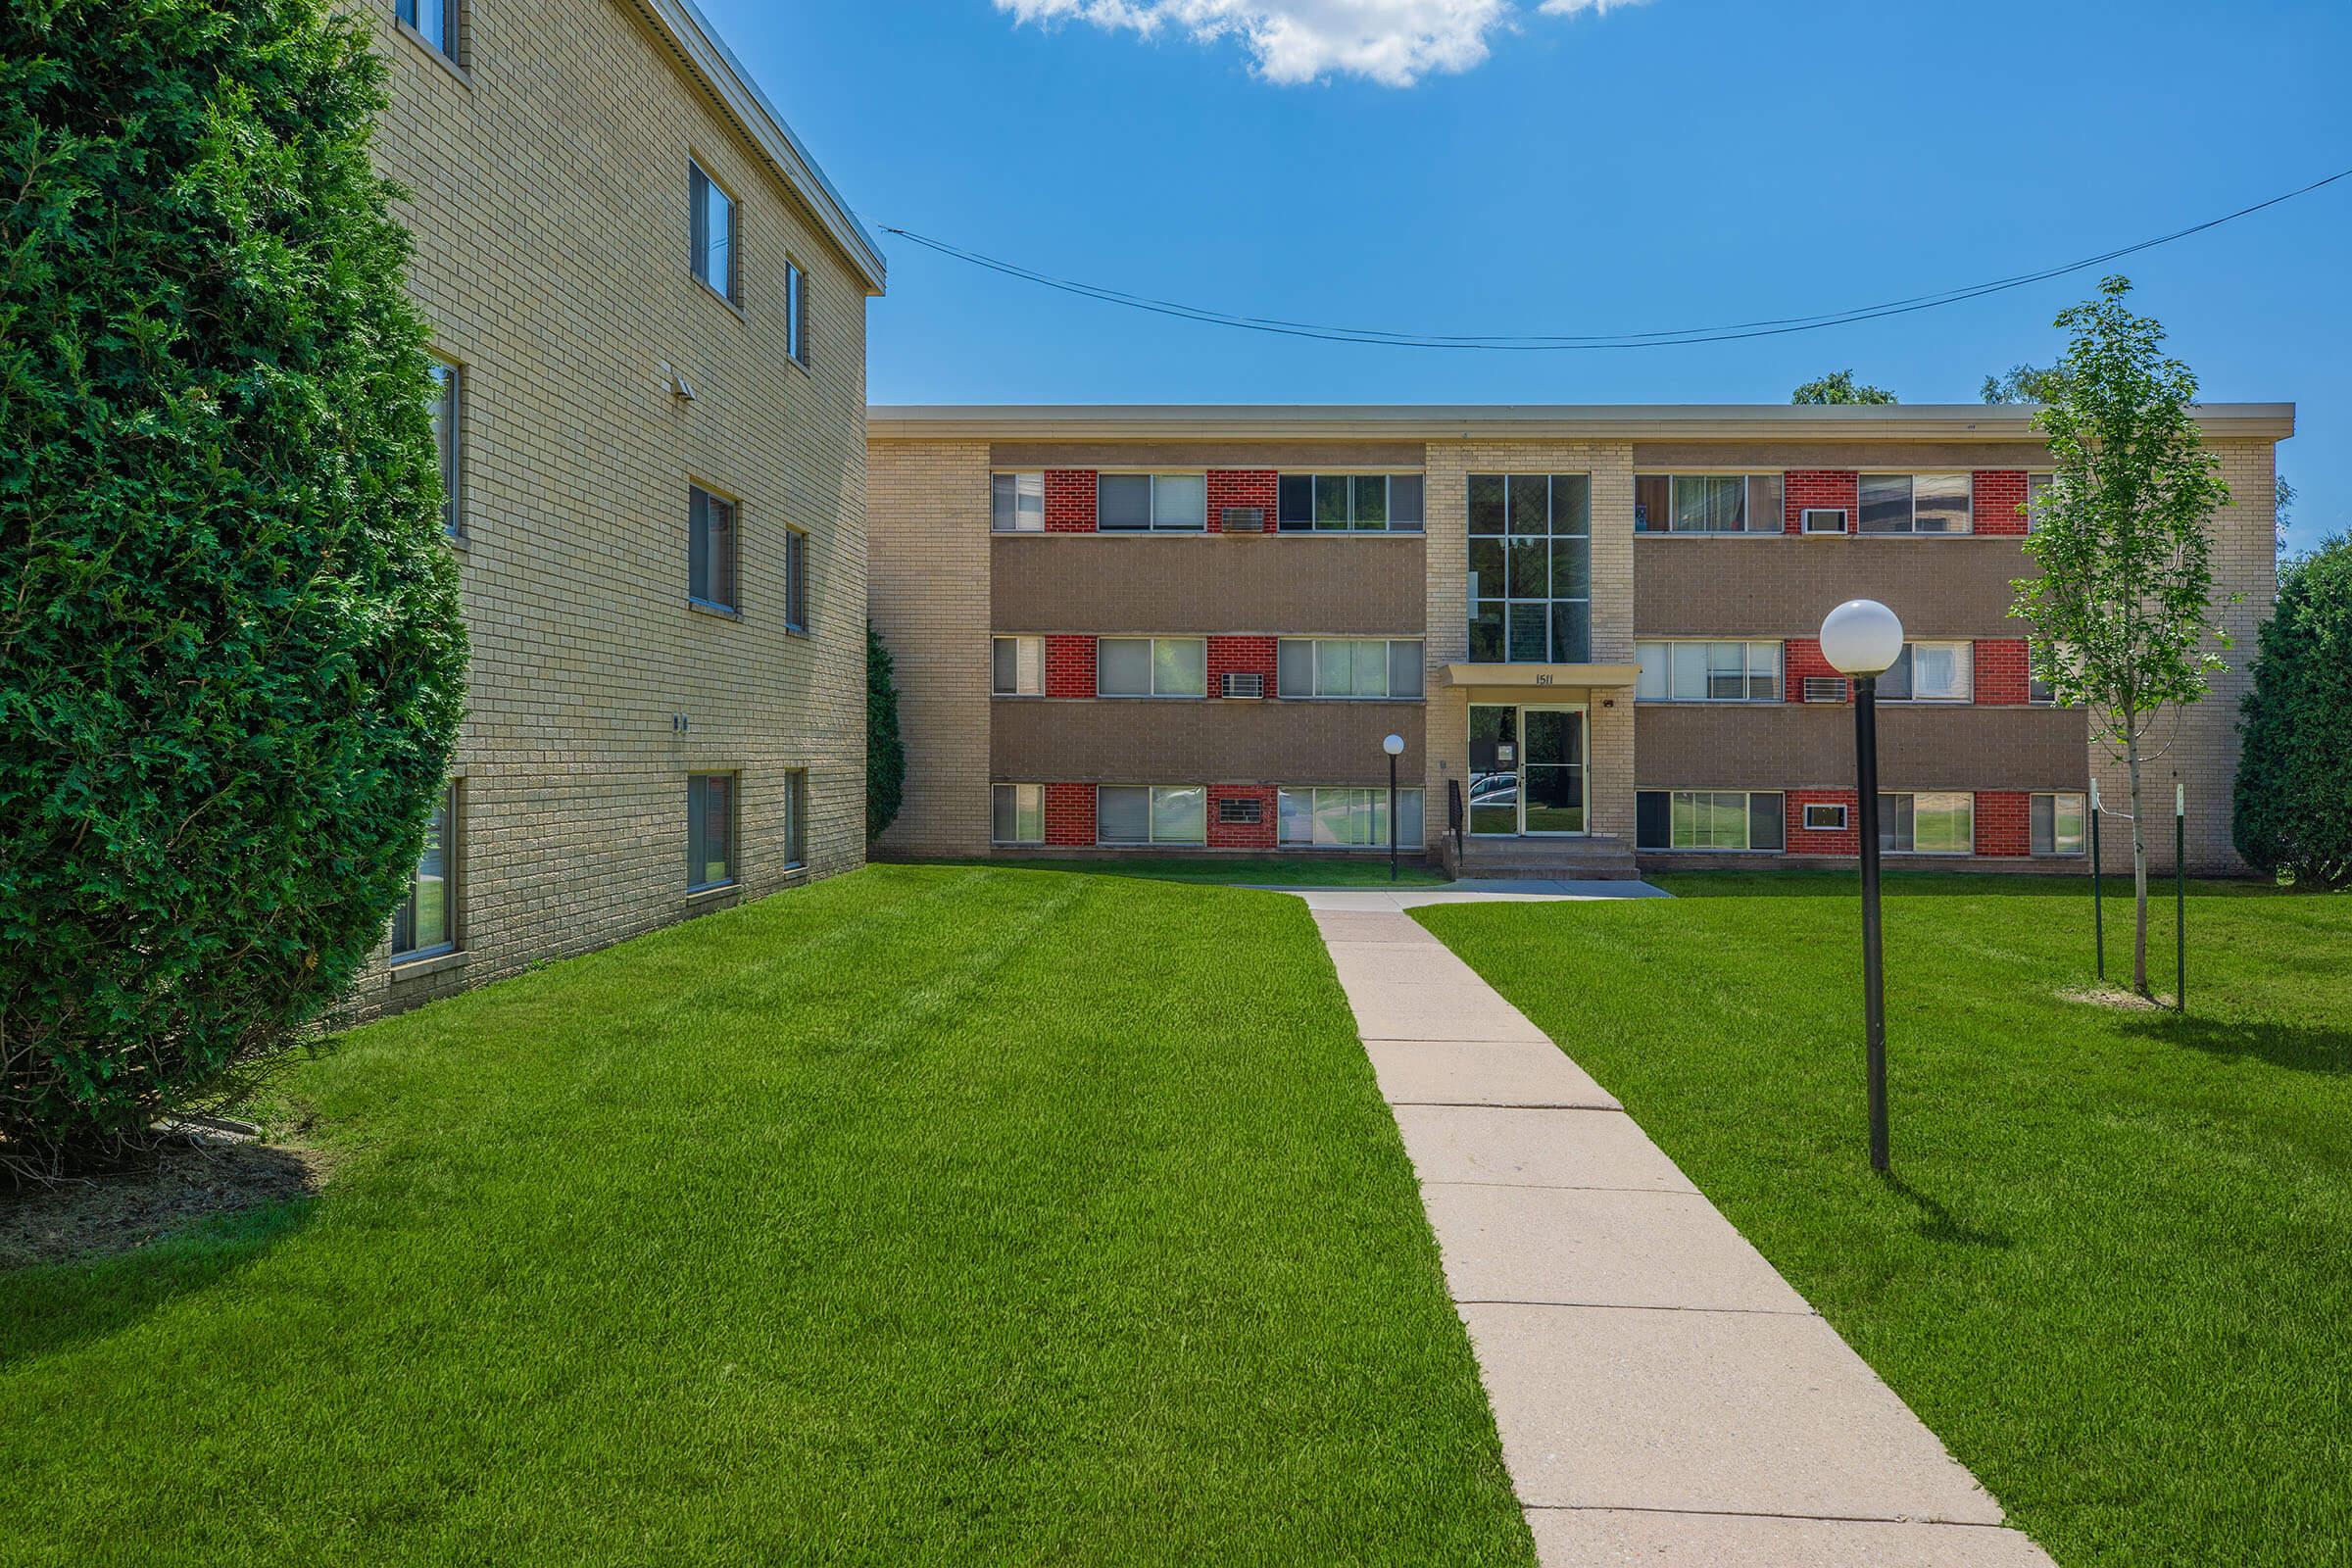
x,y
1762,586
1069,666
1997,503
1782,746
1146,740
1069,501
1353,584
1862,457
1180,457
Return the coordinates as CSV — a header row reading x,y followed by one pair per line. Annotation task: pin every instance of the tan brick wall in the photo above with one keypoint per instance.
x,y
2202,743
550,211
928,522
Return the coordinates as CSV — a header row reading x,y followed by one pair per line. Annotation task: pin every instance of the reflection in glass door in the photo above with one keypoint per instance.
x,y
1494,769
1551,788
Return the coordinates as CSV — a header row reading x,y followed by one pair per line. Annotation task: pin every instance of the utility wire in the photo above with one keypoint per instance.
x,y
1554,343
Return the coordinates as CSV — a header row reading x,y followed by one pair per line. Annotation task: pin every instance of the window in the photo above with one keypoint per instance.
x,y
1348,667
435,22
2037,492
1531,568
2039,691
795,313
710,831
425,922
1017,666
1160,502
1928,824
1825,817
1708,672
1931,672
709,549
714,235
1707,819
1016,502
1151,666
1156,814
2057,824
1358,502
442,401
1916,502
1017,813
795,820
1707,503
796,580
1347,818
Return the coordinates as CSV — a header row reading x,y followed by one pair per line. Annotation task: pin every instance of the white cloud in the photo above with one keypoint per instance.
x,y
1396,42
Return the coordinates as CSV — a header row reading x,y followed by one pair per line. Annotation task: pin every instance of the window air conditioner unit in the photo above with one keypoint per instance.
x,y
1824,688
1239,811
1242,683
1823,520
1242,520
1825,817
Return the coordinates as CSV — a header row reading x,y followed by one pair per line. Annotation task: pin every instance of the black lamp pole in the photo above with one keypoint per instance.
x,y
1874,987
1392,817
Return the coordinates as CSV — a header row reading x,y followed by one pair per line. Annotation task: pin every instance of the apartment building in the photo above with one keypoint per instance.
x,y
648,313
1168,629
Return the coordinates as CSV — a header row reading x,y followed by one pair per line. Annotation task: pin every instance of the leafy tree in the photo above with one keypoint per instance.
x,y
2123,607
2024,383
2283,502
2294,778
1839,387
885,751
232,654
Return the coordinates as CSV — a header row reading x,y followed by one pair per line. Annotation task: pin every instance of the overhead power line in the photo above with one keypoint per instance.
x,y
1518,343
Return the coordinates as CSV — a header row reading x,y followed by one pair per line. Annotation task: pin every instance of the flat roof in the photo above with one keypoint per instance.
x,y
1550,421
698,45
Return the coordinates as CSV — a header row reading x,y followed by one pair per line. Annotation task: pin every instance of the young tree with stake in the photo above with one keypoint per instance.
x,y
2124,612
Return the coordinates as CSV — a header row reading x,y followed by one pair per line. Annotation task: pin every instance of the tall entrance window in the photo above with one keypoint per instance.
x,y
1527,769
1531,568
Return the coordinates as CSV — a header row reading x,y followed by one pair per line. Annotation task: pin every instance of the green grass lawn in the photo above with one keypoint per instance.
x,y
925,1215
1256,870
2113,1267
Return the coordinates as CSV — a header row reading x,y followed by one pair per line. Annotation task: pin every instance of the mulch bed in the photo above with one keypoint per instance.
x,y
198,1173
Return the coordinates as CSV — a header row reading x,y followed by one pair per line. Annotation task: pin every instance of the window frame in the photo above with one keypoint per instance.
x,y
1375,801
1152,838
1388,692
1746,810
445,823
1156,476
410,14
1022,644
700,182
795,820
1908,661
1749,510
1912,530
698,856
2036,480
1807,824
1806,514
699,497
996,792
796,312
2081,823
448,407
1507,603
1313,526
996,476
1747,668
1152,655
796,575
1891,815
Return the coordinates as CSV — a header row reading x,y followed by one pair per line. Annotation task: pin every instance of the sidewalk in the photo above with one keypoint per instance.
x,y
1662,1394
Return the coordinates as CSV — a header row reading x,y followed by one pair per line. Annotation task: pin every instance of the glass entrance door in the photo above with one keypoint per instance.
x,y
1527,769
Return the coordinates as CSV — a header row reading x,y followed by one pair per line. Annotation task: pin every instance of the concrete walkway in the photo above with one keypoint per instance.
x,y
1470,890
1663,1396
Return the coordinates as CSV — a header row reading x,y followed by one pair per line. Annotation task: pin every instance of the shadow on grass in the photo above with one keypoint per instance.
x,y
1937,1223
2072,885
49,1308
2296,1047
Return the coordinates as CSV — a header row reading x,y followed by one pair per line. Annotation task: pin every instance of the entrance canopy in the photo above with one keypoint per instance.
x,y
1535,683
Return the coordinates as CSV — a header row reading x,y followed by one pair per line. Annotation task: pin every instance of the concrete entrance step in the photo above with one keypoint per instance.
x,y
1595,859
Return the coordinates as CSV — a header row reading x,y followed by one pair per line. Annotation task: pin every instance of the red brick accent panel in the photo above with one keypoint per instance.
x,y
1818,841
1999,501
1800,657
1069,666
1069,814
2000,669
1258,835
2004,825
1241,487
1801,488
1243,655
1069,501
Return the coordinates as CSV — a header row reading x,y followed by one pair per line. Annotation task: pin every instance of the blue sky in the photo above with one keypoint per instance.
x,y
1635,167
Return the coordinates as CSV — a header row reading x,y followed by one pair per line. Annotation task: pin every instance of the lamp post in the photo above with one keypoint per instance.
x,y
1394,746
1862,639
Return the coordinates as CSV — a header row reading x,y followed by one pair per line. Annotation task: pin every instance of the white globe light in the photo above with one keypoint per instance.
x,y
1394,746
1861,637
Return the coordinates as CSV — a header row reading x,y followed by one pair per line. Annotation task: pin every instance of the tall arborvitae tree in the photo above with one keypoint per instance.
x,y
885,751
2294,777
